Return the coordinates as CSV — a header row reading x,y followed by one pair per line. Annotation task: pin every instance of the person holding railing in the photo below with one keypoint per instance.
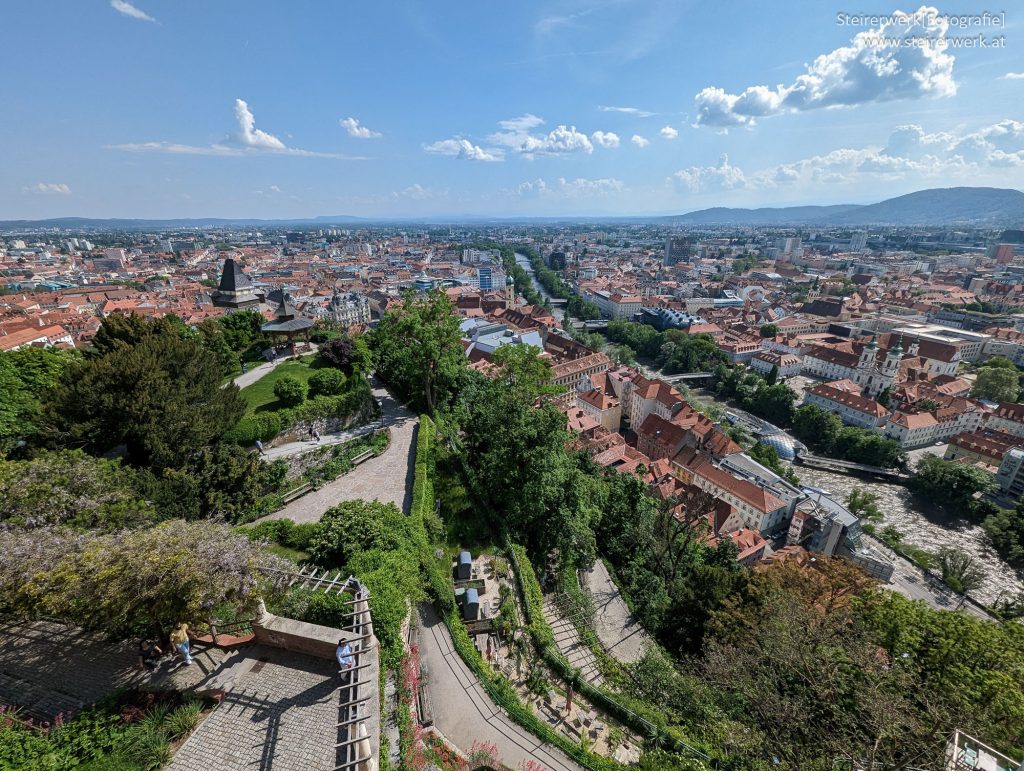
x,y
345,658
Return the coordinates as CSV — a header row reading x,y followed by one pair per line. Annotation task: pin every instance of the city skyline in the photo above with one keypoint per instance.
x,y
153,110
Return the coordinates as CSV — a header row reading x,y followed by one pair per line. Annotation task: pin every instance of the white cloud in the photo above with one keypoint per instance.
x,y
463,148
417,192
275,189
640,141
698,179
568,188
879,65
250,136
351,125
521,124
48,188
605,139
668,132
130,10
246,140
627,110
562,140
1013,76
911,153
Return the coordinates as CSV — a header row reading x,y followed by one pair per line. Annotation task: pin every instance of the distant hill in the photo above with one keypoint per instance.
x,y
949,206
943,206
936,206
786,215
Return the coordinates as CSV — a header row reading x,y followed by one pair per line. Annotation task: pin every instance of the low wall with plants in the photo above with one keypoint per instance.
x,y
326,413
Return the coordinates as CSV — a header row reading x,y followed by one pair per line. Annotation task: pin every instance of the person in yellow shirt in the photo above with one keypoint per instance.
x,y
179,639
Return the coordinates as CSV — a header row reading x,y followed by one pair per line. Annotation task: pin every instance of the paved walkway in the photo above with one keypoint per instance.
x,y
464,712
48,668
387,477
621,634
254,374
280,713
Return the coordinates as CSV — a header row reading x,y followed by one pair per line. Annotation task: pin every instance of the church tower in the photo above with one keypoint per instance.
x,y
510,291
890,369
866,366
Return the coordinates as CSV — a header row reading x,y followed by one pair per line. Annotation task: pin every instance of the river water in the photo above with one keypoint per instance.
x,y
557,310
928,530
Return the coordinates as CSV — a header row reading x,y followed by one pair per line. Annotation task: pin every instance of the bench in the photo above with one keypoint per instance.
x,y
361,457
424,707
298,492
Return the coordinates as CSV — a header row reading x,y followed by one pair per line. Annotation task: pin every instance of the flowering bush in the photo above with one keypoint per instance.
x,y
132,579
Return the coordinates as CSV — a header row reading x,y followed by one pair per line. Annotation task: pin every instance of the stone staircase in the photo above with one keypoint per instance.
x,y
569,643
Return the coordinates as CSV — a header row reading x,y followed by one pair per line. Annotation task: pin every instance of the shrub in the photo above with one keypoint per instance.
x,y
290,391
262,425
326,382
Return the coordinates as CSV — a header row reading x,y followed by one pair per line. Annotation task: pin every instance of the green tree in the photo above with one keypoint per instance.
x,y
950,485
774,403
25,377
885,397
959,570
290,391
1006,530
242,329
519,463
863,504
159,395
773,375
418,349
326,382
769,330
996,384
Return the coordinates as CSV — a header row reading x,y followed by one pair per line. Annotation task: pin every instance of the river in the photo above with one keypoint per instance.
x,y
931,533
557,310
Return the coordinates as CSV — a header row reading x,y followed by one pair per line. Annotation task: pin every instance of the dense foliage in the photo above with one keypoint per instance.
x,y
147,386
673,351
418,349
130,580
131,731
997,380
824,432
25,377
71,488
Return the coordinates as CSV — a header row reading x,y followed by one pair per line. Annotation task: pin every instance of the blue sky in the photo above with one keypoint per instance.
x,y
161,108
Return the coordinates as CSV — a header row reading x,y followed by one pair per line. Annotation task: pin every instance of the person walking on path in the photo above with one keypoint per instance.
x,y
179,639
259,446
315,434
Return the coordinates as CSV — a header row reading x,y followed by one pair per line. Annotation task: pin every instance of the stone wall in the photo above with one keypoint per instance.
x,y
300,431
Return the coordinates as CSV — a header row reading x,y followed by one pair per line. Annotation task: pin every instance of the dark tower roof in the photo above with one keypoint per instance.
x,y
232,279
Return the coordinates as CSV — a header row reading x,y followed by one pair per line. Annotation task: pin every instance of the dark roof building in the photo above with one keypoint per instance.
x,y
235,290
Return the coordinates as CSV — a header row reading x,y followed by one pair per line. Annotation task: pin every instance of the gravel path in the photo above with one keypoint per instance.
x,y
620,633
387,478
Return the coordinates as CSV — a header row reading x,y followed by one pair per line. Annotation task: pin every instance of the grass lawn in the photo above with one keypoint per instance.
x,y
260,395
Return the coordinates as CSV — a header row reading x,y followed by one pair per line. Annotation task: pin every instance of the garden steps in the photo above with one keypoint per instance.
x,y
568,641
